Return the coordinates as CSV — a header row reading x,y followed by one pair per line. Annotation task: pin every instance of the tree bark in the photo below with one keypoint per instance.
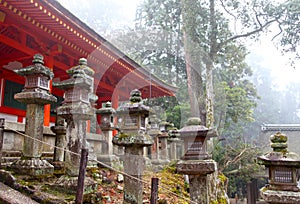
x,y
193,62
209,67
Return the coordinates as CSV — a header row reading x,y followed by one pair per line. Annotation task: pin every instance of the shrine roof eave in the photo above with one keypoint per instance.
x,y
59,29
109,46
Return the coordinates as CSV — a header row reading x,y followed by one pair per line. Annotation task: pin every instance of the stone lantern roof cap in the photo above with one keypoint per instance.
x,y
81,76
71,83
37,68
193,127
280,155
107,109
135,105
81,67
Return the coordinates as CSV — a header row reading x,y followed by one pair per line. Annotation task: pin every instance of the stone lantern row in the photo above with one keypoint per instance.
x,y
134,134
75,111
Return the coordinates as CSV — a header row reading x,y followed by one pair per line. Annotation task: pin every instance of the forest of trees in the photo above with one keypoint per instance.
x,y
201,47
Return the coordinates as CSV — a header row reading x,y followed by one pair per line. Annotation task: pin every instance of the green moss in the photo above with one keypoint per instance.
x,y
122,136
219,200
263,189
222,178
278,138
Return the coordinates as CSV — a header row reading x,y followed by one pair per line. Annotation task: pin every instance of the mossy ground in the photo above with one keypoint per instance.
x,y
172,187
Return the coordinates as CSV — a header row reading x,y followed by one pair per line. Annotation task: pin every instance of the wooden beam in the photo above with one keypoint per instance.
x,y
16,45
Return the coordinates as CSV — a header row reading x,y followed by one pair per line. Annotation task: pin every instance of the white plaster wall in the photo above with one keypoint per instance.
x,y
8,117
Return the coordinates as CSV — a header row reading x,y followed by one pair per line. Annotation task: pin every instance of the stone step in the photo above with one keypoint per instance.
x,y
11,196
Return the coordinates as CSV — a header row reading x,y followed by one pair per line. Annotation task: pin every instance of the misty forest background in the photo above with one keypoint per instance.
x,y
202,47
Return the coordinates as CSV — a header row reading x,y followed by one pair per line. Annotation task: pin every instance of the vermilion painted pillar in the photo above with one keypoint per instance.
x,y
115,103
48,63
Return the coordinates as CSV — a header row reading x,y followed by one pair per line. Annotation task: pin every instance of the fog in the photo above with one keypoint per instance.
x,y
276,80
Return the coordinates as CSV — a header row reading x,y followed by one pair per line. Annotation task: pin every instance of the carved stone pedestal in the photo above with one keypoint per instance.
x,y
134,165
198,171
273,196
33,167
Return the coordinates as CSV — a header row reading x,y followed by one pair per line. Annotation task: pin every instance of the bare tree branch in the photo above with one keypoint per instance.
x,y
279,26
247,34
236,158
226,10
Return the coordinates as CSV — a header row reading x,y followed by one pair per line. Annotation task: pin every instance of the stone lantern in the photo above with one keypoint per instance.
x,y
76,109
37,81
174,140
107,114
283,167
164,126
154,132
133,136
163,152
107,126
154,123
196,162
35,94
132,116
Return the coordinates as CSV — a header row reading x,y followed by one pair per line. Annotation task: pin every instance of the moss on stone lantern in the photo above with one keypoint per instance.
x,y
37,80
78,89
132,122
282,165
133,136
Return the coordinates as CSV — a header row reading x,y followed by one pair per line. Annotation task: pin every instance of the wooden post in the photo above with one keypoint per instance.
x,y
81,176
2,120
154,190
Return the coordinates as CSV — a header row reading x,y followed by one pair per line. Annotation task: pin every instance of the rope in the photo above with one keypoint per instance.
x,y
104,165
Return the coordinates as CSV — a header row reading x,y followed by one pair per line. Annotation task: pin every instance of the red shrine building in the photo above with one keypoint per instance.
x,y
28,27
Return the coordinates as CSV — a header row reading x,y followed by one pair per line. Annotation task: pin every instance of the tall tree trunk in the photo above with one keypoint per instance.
x,y
210,65
193,64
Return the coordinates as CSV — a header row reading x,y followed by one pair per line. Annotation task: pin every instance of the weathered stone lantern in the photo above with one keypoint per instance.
x,y
154,124
163,152
196,162
60,143
76,109
132,116
37,81
154,132
35,94
107,126
107,114
283,167
133,136
173,140
164,126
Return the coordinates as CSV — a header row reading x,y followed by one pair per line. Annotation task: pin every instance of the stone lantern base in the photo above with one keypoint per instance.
x,y
33,167
196,167
276,197
198,172
134,164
